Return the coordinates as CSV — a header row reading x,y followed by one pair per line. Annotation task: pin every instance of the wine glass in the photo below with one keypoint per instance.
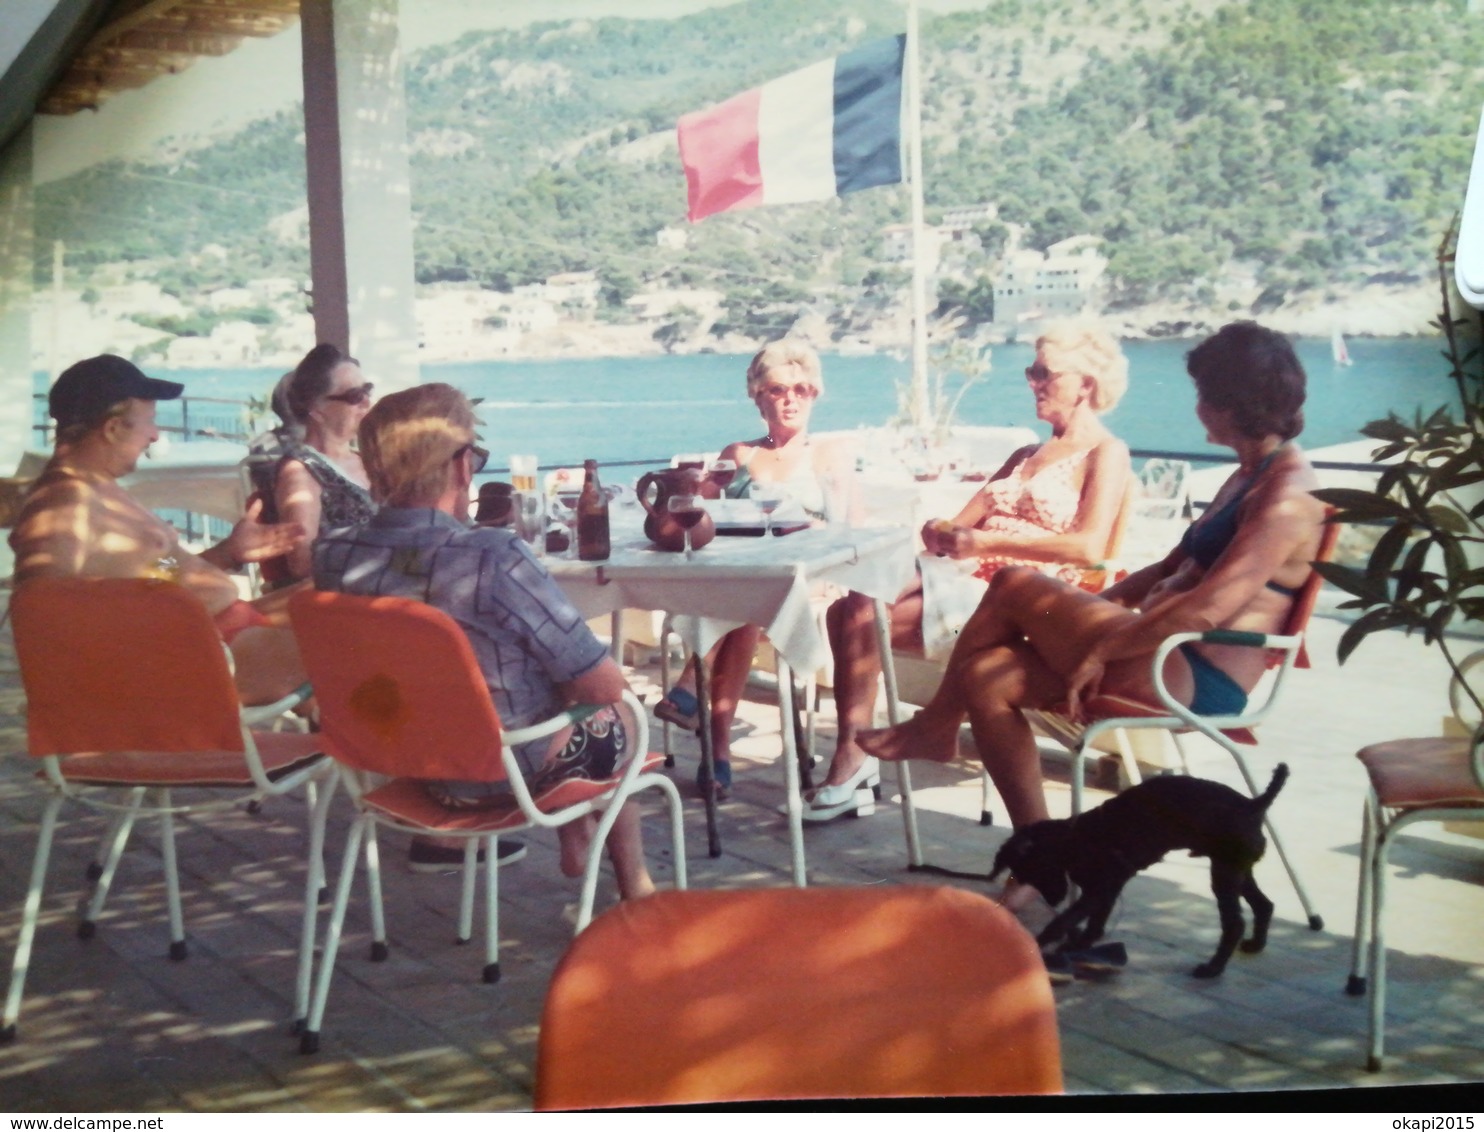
x,y
721,473
768,497
688,511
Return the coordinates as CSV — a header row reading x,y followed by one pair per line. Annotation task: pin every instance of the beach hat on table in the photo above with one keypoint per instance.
x,y
85,391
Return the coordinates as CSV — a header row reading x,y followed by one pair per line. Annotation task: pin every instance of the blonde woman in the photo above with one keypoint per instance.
x,y
1051,507
784,380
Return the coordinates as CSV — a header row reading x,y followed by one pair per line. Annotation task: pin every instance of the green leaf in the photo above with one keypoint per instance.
x,y
1446,518
1350,580
1372,622
1383,558
1357,505
1437,623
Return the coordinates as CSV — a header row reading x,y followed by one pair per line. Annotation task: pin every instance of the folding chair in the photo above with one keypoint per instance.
x,y
1412,780
1285,651
401,695
787,994
129,698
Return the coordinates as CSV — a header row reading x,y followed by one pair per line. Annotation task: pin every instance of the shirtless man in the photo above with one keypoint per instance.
x,y
77,521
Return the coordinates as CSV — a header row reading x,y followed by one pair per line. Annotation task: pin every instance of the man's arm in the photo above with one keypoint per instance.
x,y
602,684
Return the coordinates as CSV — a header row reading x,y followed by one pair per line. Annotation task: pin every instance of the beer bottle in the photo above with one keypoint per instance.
x,y
592,516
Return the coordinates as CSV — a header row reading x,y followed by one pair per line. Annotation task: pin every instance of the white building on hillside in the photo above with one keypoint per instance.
x,y
1066,281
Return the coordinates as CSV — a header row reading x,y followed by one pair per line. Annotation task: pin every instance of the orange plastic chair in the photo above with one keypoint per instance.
x,y
1438,779
129,697
401,695
785,994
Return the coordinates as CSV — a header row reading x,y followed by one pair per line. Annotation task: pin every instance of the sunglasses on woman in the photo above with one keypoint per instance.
x,y
357,396
800,391
1040,375
481,457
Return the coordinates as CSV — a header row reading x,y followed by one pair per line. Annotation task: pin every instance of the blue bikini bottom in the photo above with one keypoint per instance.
x,y
1216,693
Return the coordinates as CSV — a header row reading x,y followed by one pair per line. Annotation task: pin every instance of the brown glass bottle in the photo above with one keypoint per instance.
x,y
592,516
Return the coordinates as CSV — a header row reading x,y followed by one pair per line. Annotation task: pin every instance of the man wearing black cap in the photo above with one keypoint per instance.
x,y
78,521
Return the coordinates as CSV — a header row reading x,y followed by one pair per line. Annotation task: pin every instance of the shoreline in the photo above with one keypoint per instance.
x,y
1377,311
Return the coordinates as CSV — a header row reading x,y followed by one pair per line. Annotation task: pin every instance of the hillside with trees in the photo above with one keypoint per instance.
x,y
1301,147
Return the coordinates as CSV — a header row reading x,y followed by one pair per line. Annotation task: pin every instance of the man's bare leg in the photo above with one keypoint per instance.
x,y
625,850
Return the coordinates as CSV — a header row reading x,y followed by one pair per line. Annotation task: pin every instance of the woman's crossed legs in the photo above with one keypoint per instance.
x,y
1029,634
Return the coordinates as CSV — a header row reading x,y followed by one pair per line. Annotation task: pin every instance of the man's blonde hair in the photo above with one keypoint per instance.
x,y
408,439
1086,349
787,360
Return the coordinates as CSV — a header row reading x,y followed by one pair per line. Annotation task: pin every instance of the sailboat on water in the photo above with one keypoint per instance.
x,y
1338,350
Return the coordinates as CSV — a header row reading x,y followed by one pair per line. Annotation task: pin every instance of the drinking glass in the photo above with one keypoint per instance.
x,y
523,473
721,473
768,497
564,511
531,521
688,511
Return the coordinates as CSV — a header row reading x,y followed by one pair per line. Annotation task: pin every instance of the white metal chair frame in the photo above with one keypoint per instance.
x,y
1077,737
126,810
359,784
1379,830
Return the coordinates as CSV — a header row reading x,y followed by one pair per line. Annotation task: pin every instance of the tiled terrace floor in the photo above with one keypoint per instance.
x,y
113,1025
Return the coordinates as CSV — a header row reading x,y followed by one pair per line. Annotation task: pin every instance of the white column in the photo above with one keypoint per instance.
x,y
360,205
17,266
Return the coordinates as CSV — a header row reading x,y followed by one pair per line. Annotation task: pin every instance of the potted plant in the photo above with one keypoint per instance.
x,y
1426,571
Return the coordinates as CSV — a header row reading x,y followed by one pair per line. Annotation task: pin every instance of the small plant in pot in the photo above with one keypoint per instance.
x,y
1426,571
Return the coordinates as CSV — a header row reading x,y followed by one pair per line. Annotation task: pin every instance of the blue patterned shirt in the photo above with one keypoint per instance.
x,y
527,636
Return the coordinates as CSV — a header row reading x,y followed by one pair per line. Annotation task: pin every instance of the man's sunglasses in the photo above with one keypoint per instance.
x,y
357,396
481,457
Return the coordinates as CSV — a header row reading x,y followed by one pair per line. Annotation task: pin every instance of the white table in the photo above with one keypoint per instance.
x,y
768,582
200,476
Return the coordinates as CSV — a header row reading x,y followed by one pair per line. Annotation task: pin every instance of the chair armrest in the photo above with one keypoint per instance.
x,y
263,713
574,714
1277,642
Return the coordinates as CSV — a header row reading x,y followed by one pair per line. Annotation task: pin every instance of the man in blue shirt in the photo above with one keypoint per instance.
x,y
536,652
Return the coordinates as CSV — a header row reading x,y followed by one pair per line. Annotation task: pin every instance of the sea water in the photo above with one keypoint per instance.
x,y
646,409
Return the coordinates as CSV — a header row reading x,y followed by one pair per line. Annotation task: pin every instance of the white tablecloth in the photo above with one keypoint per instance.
x,y
736,581
200,476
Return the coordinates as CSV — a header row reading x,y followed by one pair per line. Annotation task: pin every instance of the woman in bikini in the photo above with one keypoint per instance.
x,y
1051,507
783,380
1037,642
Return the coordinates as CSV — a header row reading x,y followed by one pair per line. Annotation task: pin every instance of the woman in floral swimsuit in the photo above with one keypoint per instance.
x,y
1052,506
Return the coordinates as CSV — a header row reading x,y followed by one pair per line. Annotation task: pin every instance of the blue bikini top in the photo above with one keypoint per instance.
x,y
1206,541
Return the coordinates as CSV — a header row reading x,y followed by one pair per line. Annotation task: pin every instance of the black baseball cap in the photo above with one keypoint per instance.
x,y
88,389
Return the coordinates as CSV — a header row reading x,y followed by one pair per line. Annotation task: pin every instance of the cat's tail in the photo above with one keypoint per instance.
x,y
1280,776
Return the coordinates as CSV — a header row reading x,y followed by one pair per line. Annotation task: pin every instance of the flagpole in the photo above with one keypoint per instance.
x,y
917,408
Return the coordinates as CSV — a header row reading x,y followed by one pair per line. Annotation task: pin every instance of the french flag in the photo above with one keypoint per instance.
x,y
830,129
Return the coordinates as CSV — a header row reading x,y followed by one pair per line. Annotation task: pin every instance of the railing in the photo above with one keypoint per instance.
x,y
195,422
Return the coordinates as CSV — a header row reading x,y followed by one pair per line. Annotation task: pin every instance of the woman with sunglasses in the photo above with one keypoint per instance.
x,y
320,482
783,380
1051,507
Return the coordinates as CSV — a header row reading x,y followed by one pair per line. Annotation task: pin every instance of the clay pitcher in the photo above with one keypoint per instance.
x,y
654,490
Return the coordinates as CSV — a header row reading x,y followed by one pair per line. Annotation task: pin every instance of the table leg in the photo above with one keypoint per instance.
x,y
615,636
708,755
801,738
791,792
894,716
